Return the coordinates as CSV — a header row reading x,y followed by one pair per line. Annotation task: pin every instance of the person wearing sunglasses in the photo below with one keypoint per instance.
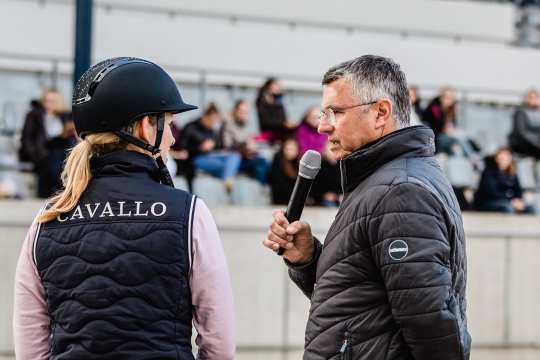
x,y
389,280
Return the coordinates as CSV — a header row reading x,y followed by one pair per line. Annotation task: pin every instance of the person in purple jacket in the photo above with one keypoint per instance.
x,y
120,264
307,135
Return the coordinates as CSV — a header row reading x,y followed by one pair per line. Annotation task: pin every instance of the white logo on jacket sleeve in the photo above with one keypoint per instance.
x,y
398,249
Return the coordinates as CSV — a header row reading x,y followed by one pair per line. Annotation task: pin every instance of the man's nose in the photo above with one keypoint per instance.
x,y
325,128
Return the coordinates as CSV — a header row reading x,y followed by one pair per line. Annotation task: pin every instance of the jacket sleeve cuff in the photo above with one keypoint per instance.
x,y
311,263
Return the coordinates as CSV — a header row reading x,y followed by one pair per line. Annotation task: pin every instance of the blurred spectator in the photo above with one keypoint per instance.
x,y
326,188
273,121
455,142
307,135
525,135
58,148
203,145
284,171
182,163
499,189
440,111
176,151
416,110
42,124
235,136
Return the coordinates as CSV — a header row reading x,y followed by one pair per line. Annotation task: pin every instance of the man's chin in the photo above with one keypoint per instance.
x,y
339,154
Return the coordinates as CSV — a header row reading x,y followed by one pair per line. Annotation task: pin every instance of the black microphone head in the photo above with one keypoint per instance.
x,y
310,164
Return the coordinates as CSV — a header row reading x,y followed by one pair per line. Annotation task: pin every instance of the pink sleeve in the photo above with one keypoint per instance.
x,y
213,314
30,318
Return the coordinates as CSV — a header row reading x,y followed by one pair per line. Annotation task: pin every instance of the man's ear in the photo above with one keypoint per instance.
x,y
146,130
384,112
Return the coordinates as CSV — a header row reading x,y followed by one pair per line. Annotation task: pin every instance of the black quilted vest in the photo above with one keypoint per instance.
x,y
115,269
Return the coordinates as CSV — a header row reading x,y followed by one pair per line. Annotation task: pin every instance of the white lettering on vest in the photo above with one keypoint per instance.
x,y
107,210
138,209
90,211
59,218
163,209
121,213
77,214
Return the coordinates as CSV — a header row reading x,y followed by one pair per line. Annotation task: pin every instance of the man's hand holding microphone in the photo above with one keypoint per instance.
x,y
287,235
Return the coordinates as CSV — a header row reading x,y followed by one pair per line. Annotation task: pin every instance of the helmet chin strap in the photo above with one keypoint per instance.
x,y
164,175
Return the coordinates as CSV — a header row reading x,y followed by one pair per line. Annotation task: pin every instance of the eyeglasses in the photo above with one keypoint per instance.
x,y
329,114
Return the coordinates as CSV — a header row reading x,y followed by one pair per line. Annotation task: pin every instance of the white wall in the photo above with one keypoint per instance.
x,y
185,36
502,286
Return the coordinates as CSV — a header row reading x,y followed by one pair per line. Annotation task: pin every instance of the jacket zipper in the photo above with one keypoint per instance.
x,y
342,176
345,349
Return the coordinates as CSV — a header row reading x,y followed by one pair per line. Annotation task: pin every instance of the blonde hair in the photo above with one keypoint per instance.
x,y
77,173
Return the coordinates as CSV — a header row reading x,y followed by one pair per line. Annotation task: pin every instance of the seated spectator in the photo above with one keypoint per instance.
x,y
454,142
182,165
326,188
235,136
499,189
273,122
525,136
284,171
307,135
440,111
42,124
416,110
203,145
58,148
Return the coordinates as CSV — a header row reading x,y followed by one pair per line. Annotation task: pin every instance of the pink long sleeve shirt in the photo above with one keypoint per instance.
x,y
213,308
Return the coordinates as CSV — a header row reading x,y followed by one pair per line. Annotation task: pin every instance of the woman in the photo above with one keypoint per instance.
x,y
203,144
284,171
273,121
43,123
307,134
440,111
326,189
120,264
499,189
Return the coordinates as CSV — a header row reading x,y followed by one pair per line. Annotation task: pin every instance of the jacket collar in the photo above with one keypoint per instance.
x,y
414,141
123,163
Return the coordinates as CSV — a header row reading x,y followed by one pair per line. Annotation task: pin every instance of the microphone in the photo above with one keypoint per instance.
x,y
310,164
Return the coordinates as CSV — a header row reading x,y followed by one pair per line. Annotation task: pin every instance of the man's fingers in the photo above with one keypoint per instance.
x,y
297,227
280,231
279,217
277,239
270,244
275,245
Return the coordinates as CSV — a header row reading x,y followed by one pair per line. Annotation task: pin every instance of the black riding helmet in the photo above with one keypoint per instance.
x,y
115,93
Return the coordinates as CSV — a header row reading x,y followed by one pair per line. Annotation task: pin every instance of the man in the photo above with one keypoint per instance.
x,y
203,145
525,135
237,137
389,282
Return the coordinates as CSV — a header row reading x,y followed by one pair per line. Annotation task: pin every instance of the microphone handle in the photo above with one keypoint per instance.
x,y
299,195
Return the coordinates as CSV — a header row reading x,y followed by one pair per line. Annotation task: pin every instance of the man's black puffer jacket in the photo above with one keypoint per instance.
x,y
389,282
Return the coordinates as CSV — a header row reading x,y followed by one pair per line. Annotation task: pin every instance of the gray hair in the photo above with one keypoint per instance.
x,y
374,77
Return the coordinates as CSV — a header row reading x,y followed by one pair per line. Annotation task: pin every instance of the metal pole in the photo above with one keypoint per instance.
x,y
54,74
203,88
83,37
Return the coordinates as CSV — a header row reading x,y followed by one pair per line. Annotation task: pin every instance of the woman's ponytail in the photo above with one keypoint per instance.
x,y
75,178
